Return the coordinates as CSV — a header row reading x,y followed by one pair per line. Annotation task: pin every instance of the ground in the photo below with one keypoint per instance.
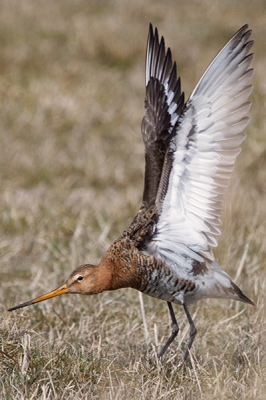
x,y
71,168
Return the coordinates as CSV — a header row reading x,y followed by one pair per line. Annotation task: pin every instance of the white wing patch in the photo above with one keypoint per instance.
x,y
204,150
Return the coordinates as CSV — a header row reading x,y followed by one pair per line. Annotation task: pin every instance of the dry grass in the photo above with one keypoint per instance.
x,y
71,161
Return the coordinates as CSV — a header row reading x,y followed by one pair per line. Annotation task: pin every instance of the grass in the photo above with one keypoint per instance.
x,y
71,162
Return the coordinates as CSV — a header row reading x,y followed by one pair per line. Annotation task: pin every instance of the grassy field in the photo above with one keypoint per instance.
x,y
71,170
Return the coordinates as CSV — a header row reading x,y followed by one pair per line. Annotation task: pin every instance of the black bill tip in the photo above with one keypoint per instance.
x,y
28,303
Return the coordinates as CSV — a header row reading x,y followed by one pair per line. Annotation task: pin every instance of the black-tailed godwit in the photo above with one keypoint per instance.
x,y
190,151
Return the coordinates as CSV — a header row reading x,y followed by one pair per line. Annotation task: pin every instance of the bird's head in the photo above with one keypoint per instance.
x,y
86,279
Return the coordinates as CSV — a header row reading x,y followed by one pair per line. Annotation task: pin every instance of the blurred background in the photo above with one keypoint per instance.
x,y
71,172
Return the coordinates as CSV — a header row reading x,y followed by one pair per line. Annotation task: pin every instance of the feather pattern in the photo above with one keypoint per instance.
x,y
163,104
201,156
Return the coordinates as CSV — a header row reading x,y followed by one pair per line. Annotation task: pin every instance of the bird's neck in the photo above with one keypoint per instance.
x,y
120,269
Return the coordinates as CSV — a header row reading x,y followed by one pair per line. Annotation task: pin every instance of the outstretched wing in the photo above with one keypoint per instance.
x,y
202,154
163,104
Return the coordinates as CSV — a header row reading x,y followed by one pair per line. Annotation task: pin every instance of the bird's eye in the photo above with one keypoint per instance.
x,y
80,278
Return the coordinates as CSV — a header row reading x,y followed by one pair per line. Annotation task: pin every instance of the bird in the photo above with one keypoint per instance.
x,y
190,151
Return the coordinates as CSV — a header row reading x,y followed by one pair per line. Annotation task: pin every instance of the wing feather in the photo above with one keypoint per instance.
x,y
202,154
163,104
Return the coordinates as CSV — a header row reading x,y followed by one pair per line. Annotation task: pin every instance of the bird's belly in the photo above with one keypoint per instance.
x,y
162,294
169,288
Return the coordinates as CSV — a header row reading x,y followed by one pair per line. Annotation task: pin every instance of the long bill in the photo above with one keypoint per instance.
x,y
57,292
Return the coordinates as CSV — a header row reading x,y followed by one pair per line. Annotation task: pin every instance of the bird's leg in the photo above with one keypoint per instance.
x,y
192,332
174,331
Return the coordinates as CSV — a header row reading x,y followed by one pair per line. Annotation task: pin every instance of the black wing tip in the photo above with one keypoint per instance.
x,y
150,30
156,51
244,31
153,35
244,27
156,33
